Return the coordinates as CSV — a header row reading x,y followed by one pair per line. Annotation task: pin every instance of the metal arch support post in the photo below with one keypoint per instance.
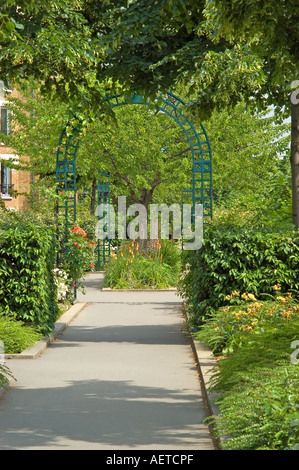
x,y
66,188
103,199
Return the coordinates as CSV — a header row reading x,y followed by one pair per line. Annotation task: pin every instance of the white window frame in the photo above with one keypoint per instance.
x,y
3,106
7,156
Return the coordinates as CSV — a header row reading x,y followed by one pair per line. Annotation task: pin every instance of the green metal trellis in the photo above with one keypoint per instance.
x,y
103,199
173,106
66,182
200,189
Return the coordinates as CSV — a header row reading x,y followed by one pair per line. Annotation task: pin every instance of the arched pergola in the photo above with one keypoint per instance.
x,y
201,186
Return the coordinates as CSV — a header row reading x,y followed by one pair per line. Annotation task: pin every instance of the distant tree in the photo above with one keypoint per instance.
x,y
144,154
251,171
142,149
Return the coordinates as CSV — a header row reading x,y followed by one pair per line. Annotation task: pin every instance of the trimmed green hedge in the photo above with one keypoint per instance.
x,y
239,260
27,259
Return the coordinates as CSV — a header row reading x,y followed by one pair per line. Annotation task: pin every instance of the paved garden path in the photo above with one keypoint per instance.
x,y
120,376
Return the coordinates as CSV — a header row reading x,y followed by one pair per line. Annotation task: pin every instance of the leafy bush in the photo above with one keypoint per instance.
x,y
231,327
87,222
77,256
241,293
237,260
4,376
16,336
62,284
27,255
130,268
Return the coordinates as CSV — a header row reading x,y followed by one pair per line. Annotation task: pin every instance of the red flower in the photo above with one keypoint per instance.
x,y
91,265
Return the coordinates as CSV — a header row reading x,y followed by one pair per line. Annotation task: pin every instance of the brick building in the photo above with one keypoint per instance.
x,y
11,180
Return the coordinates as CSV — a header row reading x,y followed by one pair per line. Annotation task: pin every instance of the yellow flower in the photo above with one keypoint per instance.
x,y
258,305
287,314
282,299
276,287
251,297
235,293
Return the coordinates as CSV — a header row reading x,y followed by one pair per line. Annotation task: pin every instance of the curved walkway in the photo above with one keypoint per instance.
x,y
121,376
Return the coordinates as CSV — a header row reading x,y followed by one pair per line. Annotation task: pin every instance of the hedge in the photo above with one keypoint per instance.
x,y
238,260
27,259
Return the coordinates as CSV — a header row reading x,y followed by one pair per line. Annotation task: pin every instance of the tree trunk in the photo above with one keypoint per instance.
x,y
145,246
295,162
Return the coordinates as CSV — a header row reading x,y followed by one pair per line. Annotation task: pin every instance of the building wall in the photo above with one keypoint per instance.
x,y
20,180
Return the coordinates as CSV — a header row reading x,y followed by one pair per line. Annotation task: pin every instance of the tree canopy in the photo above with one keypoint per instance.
x,y
144,154
218,50
149,160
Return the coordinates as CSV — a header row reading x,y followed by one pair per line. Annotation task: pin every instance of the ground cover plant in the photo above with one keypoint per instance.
x,y
16,336
131,268
257,375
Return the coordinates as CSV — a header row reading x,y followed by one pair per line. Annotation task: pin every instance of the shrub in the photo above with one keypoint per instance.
x,y
27,255
237,260
16,336
4,376
77,256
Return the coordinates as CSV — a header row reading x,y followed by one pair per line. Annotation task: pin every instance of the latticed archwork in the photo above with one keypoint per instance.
x,y
66,182
201,184
103,201
199,191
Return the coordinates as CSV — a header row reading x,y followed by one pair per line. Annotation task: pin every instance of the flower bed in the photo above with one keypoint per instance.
x,y
131,268
257,377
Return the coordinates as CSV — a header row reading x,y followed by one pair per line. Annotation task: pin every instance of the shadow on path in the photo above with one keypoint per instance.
x,y
102,413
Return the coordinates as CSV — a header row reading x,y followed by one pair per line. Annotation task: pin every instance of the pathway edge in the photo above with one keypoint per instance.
x,y
206,365
34,351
